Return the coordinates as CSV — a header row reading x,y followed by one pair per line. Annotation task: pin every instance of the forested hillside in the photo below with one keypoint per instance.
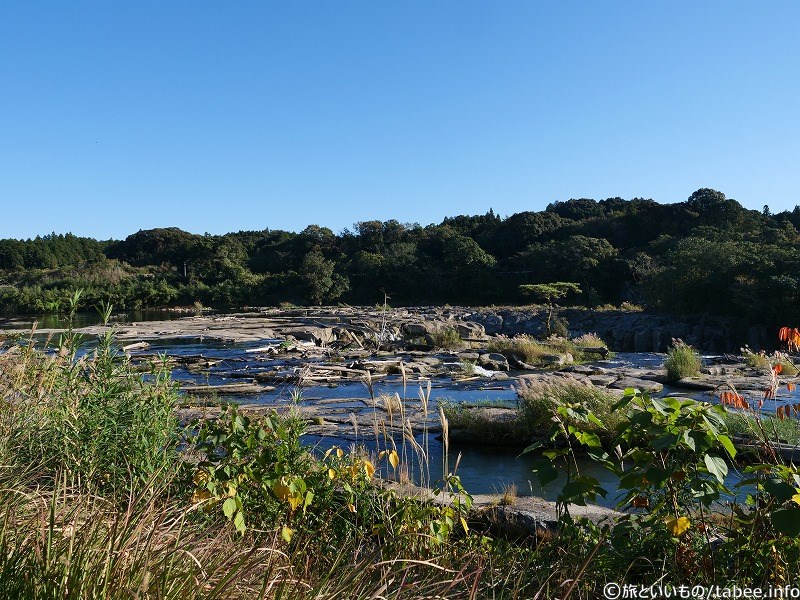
x,y
708,255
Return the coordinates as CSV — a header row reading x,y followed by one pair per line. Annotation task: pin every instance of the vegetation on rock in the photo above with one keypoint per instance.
x,y
682,361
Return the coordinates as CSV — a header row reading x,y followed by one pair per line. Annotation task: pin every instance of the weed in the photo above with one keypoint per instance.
x,y
509,495
758,360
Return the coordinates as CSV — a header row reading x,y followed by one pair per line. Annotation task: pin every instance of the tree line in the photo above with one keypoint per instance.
x,y
708,255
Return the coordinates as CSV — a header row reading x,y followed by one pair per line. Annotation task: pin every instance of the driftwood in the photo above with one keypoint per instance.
x,y
136,346
228,388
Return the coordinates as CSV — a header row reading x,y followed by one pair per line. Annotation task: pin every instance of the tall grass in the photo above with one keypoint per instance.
x,y
538,402
534,414
682,361
541,353
89,416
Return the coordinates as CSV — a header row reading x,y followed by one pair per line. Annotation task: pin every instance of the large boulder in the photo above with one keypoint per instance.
x,y
321,336
470,330
493,361
643,340
420,329
493,323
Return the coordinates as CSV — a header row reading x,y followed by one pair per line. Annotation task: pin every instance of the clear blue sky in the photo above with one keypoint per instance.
x,y
222,116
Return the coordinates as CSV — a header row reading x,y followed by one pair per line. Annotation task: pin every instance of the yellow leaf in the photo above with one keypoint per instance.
x,y
287,533
394,460
331,474
294,501
679,526
369,468
282,492
339,452
200,496
351,508
464,525
200,478
796,498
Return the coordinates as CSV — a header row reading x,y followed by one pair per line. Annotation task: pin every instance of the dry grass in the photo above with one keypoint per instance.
x,y
589,340
510,495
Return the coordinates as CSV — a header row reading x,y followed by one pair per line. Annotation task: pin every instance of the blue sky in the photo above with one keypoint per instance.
x,y
217,117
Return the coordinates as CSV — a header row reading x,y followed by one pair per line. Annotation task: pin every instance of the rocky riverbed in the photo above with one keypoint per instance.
x,y
351,367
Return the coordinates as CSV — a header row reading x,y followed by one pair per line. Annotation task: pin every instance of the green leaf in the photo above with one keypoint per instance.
x,y
632,481
727,444
787,521
229,507
238,522
588,438
593,419
665,441
544,471
531,448
552,454
657,476
716,466
626,399
780,490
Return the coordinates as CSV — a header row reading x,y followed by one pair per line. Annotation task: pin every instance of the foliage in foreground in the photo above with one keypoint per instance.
x,y
671,459
240,509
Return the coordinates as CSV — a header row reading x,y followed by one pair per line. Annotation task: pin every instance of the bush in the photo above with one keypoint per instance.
x,y
537,353
446,338
757,360
538,402
682,361
522,347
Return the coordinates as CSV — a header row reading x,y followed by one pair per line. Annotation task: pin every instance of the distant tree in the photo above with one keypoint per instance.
x,y
319,280
550,293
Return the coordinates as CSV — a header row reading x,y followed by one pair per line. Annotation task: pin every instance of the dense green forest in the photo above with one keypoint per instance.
x,y
706,256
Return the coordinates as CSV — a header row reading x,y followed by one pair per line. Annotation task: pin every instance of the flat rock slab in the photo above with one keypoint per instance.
x,y
643,385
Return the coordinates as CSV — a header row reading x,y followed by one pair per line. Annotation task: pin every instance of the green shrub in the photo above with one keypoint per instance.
x,y
524,347
682,361
758,360
446,338
788,368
